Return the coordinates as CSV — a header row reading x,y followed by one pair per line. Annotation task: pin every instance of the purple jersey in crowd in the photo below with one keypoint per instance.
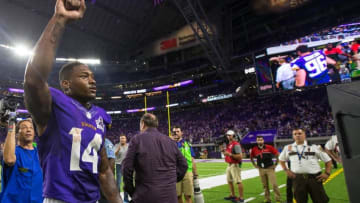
x,y
69,150
315,66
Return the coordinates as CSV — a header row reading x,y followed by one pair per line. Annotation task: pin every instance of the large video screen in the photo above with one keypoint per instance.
x,y
328,56
263,73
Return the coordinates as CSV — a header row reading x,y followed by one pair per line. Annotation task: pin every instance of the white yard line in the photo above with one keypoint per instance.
x,y
214,181
210,182
250,199
281,186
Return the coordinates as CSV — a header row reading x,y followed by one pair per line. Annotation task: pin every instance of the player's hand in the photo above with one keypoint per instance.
x,y
12,117
290,174
70,10
322,177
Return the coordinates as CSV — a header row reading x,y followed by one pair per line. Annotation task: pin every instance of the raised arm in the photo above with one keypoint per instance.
x,y
37,94
10,143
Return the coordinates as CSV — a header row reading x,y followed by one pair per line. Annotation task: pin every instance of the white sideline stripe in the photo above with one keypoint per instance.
x,y
281,186
214,181
210,182
250,199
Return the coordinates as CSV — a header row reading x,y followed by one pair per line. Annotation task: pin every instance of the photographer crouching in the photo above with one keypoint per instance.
x,y
22,175
233,172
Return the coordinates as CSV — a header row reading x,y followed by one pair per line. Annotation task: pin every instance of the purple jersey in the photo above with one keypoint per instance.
x,y
315,66
69,150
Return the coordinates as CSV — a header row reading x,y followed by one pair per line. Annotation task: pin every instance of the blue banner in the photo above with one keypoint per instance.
x,y
250,138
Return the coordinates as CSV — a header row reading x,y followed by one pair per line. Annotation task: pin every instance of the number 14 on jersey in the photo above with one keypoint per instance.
x,y
89,155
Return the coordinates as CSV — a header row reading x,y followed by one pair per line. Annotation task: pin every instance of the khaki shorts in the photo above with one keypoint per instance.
x,y
233,173
186,185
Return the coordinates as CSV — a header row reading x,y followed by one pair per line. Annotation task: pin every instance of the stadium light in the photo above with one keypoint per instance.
x,y
98,98
114,112
86,61
172,105
90,61
22,111
140,110
22,50
16,90
249,70
116,97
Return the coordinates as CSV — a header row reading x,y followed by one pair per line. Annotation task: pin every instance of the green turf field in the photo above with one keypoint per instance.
x,y
212,169
335,188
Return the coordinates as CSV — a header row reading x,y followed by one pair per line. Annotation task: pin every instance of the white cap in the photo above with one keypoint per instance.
x,y
230,132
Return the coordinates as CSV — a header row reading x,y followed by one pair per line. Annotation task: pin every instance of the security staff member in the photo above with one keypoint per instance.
x,y
264,154
332,149
305,169
233,172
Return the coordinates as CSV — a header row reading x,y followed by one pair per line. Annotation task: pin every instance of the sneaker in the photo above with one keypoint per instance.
x,y
238,200
230,198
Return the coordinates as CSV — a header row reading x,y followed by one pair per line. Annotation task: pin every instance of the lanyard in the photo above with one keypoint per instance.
x,y
262,151
302,153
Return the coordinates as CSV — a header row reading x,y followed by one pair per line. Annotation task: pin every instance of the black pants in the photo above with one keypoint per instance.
x,y
305,184
289,191
289,185
334,162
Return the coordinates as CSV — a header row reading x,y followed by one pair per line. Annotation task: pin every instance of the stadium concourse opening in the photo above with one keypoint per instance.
x,y
169,101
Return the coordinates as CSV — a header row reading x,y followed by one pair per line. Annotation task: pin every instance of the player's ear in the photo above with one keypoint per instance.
x,y
65,85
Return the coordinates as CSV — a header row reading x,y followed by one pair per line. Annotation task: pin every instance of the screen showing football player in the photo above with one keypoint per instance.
x,y
311,67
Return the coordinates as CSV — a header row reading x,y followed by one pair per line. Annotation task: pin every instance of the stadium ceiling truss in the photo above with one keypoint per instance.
x,y
109,26
196,18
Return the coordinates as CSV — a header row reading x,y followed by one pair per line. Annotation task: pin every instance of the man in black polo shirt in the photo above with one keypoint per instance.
x,y
264,154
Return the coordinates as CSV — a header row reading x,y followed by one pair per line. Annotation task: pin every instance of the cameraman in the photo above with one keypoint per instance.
x,y
22,176
233,171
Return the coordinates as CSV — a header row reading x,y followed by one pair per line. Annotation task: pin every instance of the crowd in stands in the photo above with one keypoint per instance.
x,y
339,32
182,95
203,122
308,109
